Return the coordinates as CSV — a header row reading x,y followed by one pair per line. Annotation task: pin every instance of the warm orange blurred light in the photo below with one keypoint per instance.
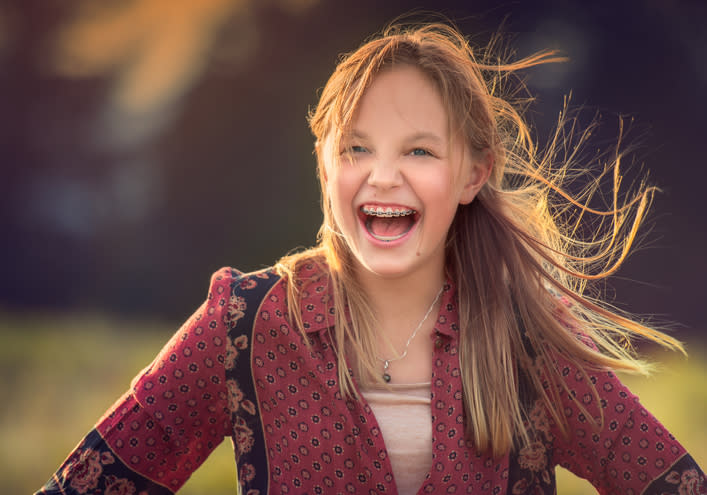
x,y
155,48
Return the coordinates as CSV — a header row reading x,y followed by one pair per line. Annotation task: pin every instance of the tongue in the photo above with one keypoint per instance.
x,y
389,227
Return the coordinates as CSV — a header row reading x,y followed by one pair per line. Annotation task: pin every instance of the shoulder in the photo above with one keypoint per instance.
x,y
228,276
229,280
232,291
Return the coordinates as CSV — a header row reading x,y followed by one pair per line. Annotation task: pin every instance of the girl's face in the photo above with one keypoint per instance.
x,y
400,178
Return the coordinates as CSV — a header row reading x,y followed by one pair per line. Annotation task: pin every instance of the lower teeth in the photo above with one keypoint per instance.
x,y
386,238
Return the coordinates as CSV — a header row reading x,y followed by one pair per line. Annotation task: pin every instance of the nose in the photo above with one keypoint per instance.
x,y
385,174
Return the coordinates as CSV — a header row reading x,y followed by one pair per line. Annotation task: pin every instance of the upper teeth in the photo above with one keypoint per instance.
x,y
388,211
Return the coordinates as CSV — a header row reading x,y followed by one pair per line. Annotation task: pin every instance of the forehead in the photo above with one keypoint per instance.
x,y
401,98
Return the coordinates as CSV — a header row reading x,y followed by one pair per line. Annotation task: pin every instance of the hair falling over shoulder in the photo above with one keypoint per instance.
x,y
525,255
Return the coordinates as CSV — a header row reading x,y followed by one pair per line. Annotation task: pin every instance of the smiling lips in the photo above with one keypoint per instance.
x,y
388,223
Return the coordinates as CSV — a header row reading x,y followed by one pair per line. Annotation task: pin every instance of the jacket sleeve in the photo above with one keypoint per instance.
x,y
174,415
629,452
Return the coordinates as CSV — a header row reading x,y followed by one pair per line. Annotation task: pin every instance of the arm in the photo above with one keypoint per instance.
x,y
631,452
175,414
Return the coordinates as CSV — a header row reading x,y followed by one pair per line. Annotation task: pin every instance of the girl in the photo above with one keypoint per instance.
x,y
439,338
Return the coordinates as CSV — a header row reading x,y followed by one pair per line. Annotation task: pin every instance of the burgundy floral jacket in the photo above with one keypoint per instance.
x,y
238,369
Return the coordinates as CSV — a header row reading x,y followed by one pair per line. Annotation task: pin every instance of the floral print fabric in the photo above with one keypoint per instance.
x,y
237,368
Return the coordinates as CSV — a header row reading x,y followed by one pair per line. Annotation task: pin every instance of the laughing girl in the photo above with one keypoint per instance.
x,y
442,336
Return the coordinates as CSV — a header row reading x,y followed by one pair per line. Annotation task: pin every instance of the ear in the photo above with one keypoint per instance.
x,y
478,170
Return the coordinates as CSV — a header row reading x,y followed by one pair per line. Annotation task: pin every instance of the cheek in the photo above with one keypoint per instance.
x,y
342,188
441,200
440,188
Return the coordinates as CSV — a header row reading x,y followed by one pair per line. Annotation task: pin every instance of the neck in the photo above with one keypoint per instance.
x,y
400,302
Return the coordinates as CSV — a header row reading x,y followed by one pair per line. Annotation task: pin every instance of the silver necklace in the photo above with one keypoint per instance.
x,y
386,362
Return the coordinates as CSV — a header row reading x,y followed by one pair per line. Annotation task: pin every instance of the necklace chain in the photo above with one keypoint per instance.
x,y
386,362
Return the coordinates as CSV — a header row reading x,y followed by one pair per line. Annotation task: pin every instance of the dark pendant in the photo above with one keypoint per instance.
x,y
386,377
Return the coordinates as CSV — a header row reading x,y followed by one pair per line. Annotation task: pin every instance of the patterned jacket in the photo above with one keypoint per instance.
x,y
237,368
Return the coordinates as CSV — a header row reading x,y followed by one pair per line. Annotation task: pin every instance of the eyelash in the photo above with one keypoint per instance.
x,y
424,151
353,149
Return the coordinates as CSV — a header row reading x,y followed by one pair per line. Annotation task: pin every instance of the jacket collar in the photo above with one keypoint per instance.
x,y
317,302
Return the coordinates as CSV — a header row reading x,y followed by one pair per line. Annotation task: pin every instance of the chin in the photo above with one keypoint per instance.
x,y
391,268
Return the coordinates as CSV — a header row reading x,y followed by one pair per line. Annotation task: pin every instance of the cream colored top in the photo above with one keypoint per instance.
x,y
403,414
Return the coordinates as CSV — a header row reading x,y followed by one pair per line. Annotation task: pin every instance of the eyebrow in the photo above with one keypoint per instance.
x,y
425,136
356,134
418,136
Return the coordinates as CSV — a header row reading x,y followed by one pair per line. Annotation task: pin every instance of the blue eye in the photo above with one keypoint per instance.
x,y
352,150
420,152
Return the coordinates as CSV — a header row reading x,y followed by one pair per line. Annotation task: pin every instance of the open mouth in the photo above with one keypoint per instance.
x,y
388,223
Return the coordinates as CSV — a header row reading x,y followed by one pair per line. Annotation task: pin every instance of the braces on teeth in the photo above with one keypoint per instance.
x,y
386,212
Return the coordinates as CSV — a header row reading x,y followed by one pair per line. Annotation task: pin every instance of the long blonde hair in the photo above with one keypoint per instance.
x,y
513,253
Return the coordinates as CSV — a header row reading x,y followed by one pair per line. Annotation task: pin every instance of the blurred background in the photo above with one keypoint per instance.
x,y
146,143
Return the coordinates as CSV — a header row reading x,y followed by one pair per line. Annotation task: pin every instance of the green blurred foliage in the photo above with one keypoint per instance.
x,y
61,372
